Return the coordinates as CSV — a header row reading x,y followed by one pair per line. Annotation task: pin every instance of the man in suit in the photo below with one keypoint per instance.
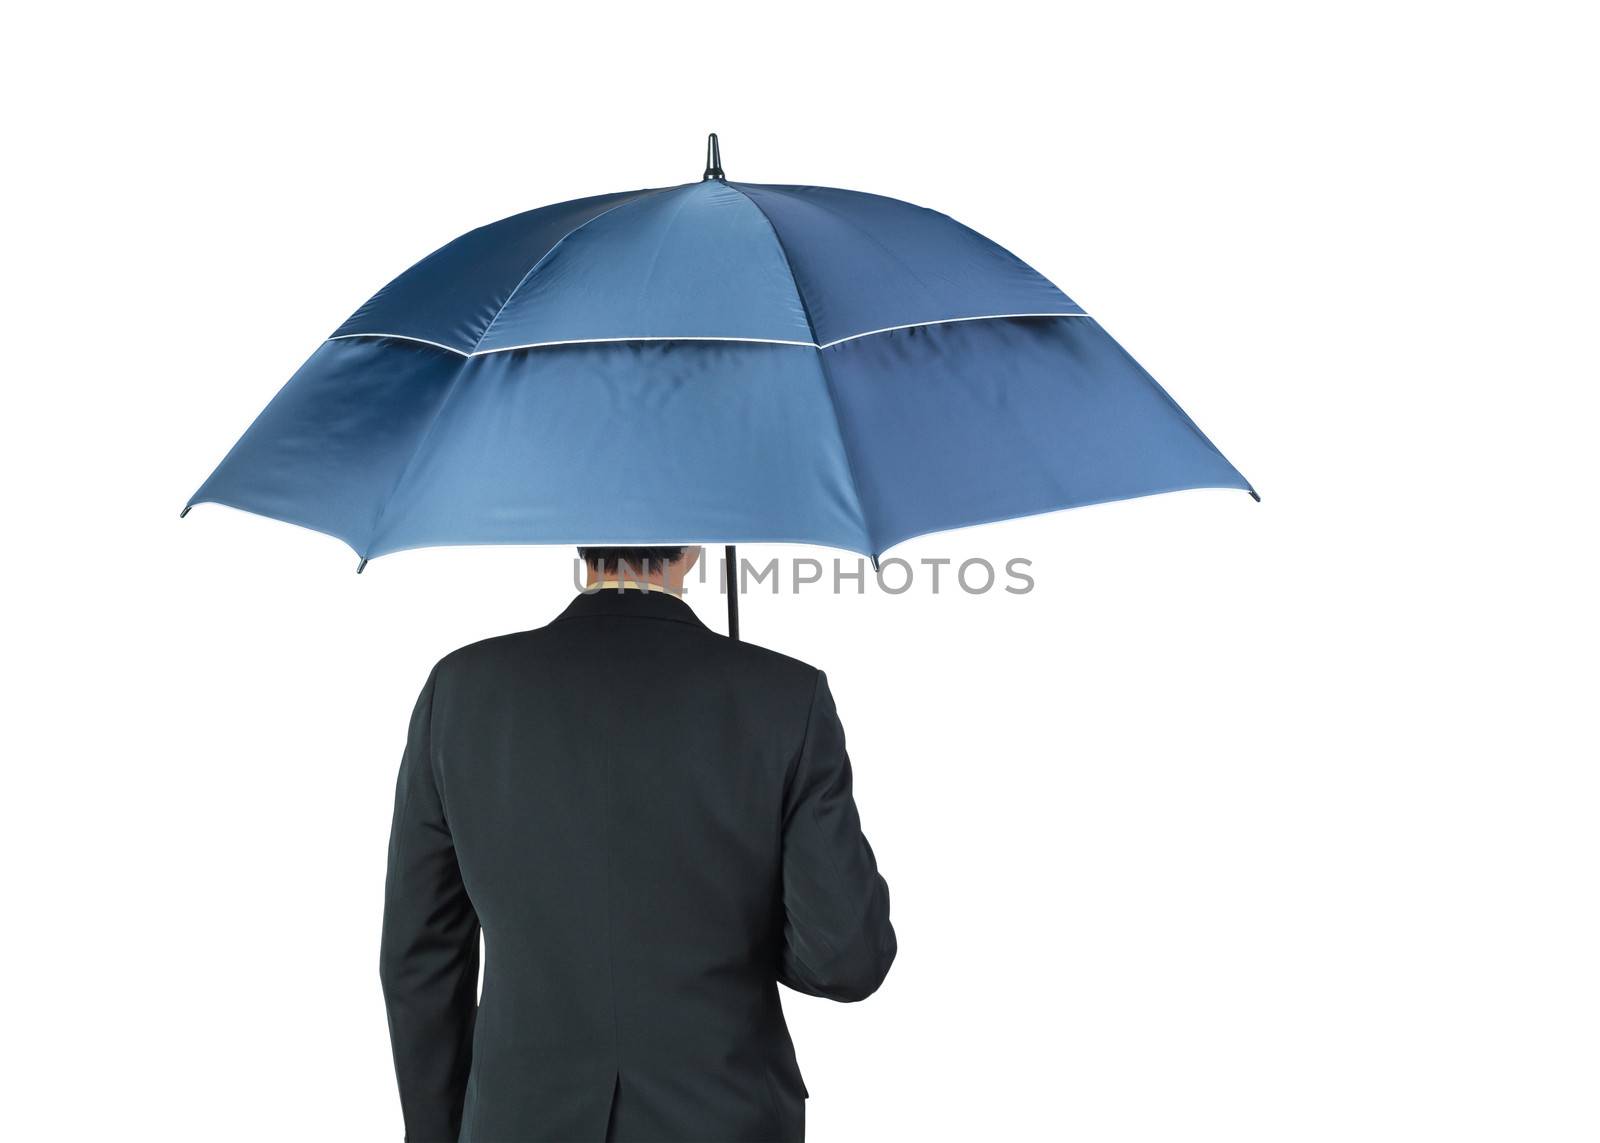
x,y
652,825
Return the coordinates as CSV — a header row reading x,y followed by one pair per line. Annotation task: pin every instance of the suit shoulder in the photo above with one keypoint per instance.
x,y
487,650
748,660
765,662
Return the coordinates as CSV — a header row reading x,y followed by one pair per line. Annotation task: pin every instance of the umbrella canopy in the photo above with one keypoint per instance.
x,y
712,362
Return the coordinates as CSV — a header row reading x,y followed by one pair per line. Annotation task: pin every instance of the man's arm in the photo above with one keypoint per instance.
x,y
837,940
429,960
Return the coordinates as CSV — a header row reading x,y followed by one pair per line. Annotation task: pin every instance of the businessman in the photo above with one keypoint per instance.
x,y
651,826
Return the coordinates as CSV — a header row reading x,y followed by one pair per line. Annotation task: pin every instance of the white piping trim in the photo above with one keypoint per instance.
x,y
746,340
404,337
942,321
608,340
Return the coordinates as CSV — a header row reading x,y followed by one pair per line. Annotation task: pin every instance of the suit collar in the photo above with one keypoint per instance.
x,y
632,603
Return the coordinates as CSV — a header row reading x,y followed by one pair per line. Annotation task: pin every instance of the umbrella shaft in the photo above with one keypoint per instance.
x,y
732,565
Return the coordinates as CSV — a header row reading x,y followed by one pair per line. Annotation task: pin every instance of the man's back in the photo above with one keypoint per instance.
x,y
653,825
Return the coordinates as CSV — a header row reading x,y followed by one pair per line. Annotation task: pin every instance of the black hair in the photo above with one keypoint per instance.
x,y
630,561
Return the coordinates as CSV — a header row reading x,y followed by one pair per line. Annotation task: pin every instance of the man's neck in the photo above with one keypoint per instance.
x,y
601,581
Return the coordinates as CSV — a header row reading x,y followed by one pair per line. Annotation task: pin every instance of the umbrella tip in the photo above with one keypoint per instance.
x,y
185,511
1254,495
713,158
361,567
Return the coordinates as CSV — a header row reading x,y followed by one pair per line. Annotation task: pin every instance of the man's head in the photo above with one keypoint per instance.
x,y
661,565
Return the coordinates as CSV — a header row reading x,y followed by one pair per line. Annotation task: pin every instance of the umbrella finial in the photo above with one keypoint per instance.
x,y
713,159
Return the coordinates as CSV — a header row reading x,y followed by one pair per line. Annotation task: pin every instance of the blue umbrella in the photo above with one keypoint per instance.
x,y
711,362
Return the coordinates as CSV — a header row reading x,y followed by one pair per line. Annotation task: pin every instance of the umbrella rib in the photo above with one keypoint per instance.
x,y
455,380
822,367
546,256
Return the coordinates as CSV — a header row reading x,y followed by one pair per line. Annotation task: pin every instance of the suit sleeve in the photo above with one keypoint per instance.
x,y
429,958
837,939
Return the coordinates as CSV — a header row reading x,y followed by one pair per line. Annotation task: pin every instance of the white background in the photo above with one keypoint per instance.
x,y
1253,822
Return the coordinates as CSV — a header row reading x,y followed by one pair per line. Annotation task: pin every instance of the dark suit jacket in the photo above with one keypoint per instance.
x,y
653,825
